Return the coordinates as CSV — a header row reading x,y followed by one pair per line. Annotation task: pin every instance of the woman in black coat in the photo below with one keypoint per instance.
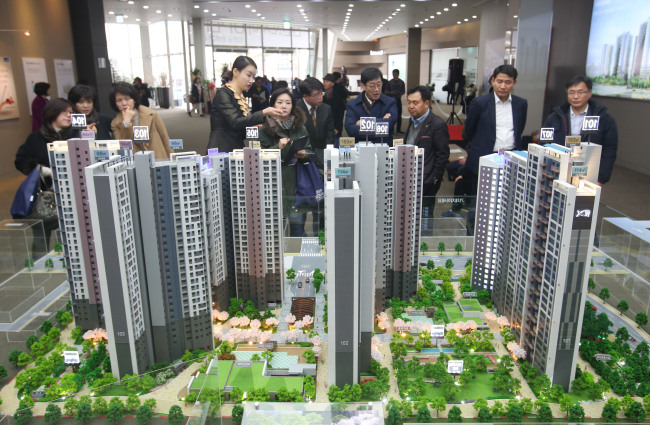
x,y
230,114
83,99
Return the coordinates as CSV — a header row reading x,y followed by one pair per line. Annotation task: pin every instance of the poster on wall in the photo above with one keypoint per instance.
x,y
618,57
35,72
8,98
64,76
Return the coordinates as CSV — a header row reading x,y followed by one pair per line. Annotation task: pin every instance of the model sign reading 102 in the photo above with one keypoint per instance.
x,y
252,132
367,124
141,133
381,128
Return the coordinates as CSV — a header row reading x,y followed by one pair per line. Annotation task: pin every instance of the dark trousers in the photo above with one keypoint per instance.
x,y
399,114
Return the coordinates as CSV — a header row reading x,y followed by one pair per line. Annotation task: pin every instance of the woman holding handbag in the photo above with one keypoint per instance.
x,y
33,153
281,133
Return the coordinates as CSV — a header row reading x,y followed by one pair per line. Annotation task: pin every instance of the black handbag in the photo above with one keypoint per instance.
x,y
44,207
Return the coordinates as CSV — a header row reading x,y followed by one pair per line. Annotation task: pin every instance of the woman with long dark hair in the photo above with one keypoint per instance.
x,y
83,99
230,114
279,133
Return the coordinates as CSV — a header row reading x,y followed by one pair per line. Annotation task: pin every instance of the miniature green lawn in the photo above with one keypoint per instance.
x,y
245,378
481,387
454,314
472,303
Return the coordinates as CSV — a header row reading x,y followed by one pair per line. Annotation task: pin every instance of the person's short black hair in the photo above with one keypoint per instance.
x,y
396,70
82,91
579,79
310,84
258,78
241,62
509,70
423,90
40,89
281,84
337,75
125,89
52,110
370,74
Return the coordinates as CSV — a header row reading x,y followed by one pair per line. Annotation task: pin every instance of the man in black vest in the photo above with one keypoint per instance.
x,y
320,123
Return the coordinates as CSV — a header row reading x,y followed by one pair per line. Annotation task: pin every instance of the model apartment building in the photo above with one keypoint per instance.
x,y
68,161
256,206
384,184
535,224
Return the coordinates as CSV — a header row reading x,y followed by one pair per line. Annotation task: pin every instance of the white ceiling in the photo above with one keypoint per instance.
x,y
364,20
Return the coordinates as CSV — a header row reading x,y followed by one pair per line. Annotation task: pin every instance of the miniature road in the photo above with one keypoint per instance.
x,y
619,320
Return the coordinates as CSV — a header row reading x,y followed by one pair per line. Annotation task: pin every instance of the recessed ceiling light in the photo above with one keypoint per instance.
x,y
421,22
259,14
148,22
438,13
390,17
253,10
306,20
474,16
263,17
196,6
214,14
110,12
402,5
145,7
131,2
417,26
426,20
169,16
206,10
458,22
446,9
515,16
466,20
454,4
247,6
398,9
137,19
158,11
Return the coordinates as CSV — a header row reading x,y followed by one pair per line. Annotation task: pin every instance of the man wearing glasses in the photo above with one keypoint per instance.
x,y
320,123
567,121
371,103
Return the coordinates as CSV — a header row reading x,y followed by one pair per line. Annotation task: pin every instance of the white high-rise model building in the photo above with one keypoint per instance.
x,y
158,232
535,224
68,160
256,200
389,180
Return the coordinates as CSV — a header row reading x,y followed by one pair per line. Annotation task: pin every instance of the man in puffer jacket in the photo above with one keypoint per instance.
x,y
567,121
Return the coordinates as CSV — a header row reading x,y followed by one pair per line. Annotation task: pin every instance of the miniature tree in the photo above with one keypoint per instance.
x,y
468,262
151,402
430,265
291,275
424,246
576,413
514,413
46,326
23,413
237,414
49,264
100,406
623,306
58,248
13,357
544,413
641,319
591,284
29,263
70,407
133,402
623,334
394,416
321,237
84,412
268,355
176,415
458,248
609,412
115,411
604,294
441,247
607,263
484,415
636,412
438,404
454,415
449,264
423,416
144,414
52,414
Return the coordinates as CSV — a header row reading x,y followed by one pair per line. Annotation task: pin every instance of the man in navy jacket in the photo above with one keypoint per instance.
x,y
371,103
494,121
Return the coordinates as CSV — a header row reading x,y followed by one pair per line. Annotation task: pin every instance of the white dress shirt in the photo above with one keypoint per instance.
x,y
505,137
576,120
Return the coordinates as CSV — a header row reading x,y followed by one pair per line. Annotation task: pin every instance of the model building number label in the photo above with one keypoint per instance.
x,y
343,172
121,333
78,120
368,124
252,132
175,143
546,134
141,133
381,129
579,170
346,343
101,154
590,123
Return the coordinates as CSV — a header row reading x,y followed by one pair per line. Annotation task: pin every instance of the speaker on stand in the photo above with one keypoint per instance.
x,y
454,77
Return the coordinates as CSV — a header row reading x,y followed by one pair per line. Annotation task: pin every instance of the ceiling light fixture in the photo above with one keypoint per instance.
x,y
145,7
474,16
248,6
196,6
515,16
454,4
446,9
110,12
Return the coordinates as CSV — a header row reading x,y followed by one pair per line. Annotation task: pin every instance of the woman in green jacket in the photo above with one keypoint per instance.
x,y
280,133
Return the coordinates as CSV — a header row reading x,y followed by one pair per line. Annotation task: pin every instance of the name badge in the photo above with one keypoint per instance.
x,y
546,134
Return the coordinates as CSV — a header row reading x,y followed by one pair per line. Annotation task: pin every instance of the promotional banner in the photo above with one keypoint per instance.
x,y
8,98
35,72
64,76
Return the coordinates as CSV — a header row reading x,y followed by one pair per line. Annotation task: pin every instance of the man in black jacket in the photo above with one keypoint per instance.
x,y
427,131
336,96
567,121
320,123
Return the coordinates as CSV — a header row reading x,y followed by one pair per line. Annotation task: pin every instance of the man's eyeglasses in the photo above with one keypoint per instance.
x,y
579,93
374,86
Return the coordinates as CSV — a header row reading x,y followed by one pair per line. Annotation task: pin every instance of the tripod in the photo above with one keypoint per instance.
x,y
450,120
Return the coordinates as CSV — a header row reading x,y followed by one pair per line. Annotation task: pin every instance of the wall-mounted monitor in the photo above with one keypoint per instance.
x,y
618,59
